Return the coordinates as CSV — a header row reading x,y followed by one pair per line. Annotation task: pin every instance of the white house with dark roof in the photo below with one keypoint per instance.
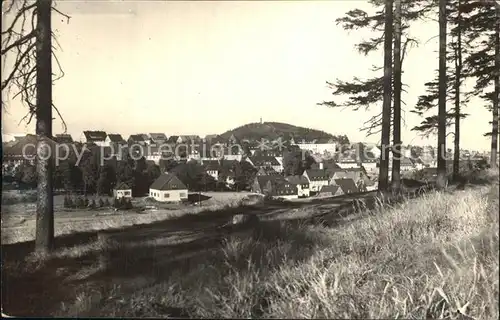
x,y
137,139
317,178
265,161
115,140
168,188
158,138
122,190
302,184
318,148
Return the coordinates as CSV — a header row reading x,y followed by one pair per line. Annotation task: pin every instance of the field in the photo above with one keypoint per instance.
x,y
428,257
18,220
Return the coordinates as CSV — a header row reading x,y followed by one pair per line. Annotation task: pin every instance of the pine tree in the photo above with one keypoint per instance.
x,y
455,77
441,147
364,93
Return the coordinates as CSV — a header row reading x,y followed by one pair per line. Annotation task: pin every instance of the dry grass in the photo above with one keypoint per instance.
x,y
432,257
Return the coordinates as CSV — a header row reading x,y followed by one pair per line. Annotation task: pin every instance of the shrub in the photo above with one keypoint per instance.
x,y
101,203
107,203
128,204
116,203
92,204
69,203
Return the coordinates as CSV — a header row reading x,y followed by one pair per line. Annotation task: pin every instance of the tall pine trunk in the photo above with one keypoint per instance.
x,y
441,147
396,150
458,80
496,98
386,107
44,166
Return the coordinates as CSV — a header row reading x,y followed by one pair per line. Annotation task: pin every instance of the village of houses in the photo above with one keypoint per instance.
x,y
327,176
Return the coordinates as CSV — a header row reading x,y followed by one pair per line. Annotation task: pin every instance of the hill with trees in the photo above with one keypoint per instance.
x,y
275,130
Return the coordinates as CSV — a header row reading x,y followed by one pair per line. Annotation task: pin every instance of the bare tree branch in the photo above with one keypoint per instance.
x,y
21,43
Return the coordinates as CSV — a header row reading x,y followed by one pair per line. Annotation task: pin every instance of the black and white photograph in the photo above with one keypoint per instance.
x,y
306,159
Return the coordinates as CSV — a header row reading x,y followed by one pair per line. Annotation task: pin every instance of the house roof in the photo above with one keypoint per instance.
x,y
317,174
347,185
329,189
115,137
211,136
15,150
189,138
262,160
158,136
262,180
406,161
136,138
267,171
329,164
168,181
211,165
173,139
122,186
63,138
93,136
297,179
282,184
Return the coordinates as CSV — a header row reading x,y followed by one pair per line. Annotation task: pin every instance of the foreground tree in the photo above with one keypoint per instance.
x,y
31,75
455,78
366,93
441,147
482,29
396,155
383,182
496,96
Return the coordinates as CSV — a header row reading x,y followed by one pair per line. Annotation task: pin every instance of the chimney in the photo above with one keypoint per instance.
x,y
321,165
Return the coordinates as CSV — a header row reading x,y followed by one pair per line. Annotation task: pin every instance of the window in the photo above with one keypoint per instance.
x,y
182,194
127,193
166,195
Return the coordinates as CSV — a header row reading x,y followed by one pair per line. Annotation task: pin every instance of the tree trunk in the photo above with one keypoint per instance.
x,y
396,150
496,98
458,79
44,166
441,147
383,183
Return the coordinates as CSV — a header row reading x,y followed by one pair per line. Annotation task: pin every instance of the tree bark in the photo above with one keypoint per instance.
x,y
458,78
383,183
44,166
441,147
396,150
496,98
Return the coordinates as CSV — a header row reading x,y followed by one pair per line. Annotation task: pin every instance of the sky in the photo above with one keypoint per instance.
x,y
206,67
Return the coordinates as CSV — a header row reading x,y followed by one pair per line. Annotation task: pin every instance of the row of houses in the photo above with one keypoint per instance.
x,y
313,182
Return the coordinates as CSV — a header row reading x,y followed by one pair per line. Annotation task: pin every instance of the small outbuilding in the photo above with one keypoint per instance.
x,y
122,190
